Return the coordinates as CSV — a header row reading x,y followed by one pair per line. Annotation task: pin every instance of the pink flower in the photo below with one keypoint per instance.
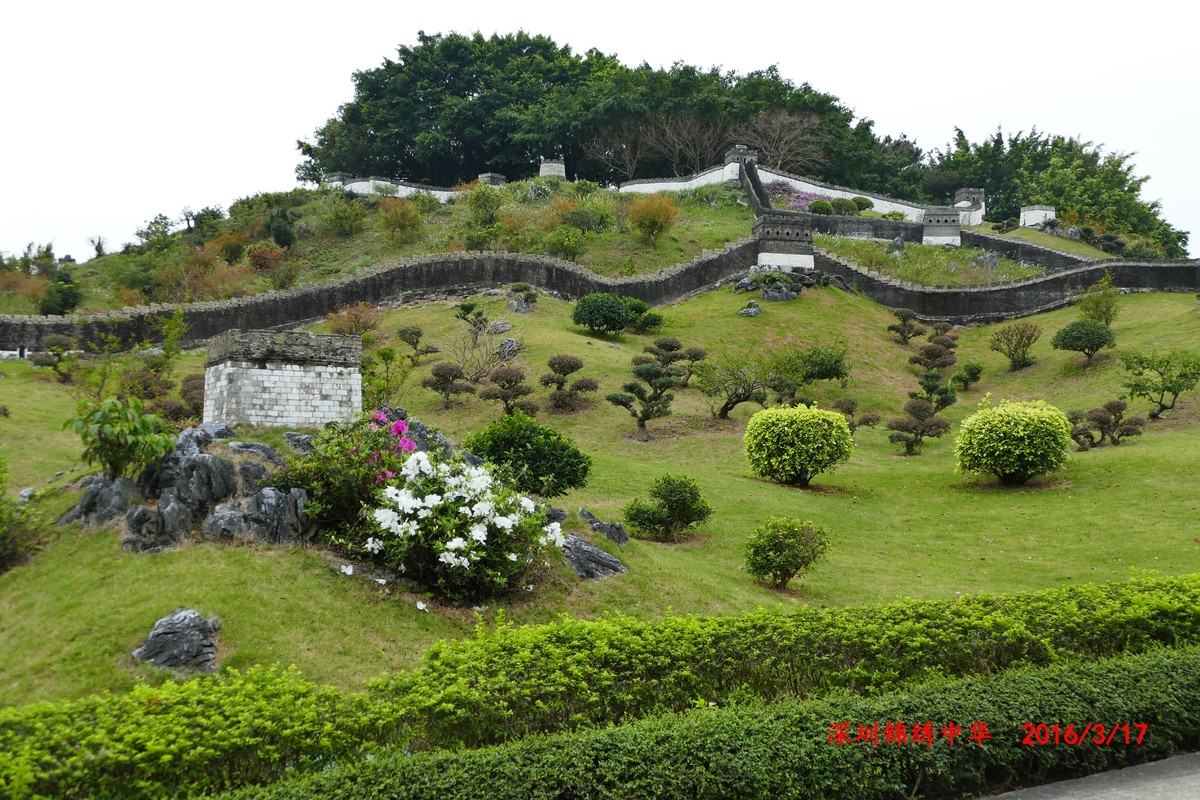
x,y
380,417
399,427
407,445
383,476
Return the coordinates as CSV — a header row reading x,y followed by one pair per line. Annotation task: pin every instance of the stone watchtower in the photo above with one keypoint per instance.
x,y
552,168
282,379
784,241
941,226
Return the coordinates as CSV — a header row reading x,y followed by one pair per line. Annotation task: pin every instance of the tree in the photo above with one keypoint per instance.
x,y
967,374
562,397
1085,336
1160,377
508,386
907,328
649,401
793,445
921,423
1099,301
447,380
848,406
601,312
1014,341
120,436
780,548
1014,441
791,369
534,458
732,378
1105,423
411,336
788,140
933,357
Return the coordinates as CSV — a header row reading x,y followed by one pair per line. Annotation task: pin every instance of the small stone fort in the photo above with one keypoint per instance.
x,y
292,379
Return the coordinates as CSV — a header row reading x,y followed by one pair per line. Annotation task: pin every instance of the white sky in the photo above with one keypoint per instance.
x,y
114,112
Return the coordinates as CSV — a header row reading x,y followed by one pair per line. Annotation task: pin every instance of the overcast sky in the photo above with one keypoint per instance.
x,y
115,112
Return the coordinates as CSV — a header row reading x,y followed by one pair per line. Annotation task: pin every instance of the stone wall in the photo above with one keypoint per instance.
x,y
392,187
1021,250
727,172
282,379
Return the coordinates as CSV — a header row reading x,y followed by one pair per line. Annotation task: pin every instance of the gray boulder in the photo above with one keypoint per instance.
x,y
745,285
500,326
895,246
613,531
250,477
271,516
183,640
589,561
152,530
263,451
102,502
752,309
839,282
300,442
1074,234
191,441
25,496
778,293
204,481
520,306
509,349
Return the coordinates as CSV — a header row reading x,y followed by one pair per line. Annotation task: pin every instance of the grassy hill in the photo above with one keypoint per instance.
x,y
901,527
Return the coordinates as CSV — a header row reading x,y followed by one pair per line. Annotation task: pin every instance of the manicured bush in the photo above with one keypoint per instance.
x,y
793,445
1014,341
507,384
1099,301
1085,336
967,374
676,506
345,218
907,328
649,396
535,458
780,548
484,201
844,207
564,397
446,379
119,436
919,423
897,216
601,312
642,319
862,203
457,531
1014,441
822,207
653,216
968,738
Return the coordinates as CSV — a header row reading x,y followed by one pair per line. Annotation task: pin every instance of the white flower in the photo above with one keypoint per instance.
x,y
381,581
417,464
454,561
457,543
388,519
422,607
432,500
554,534
373,545
505,523
347,569
406,502
527,505
479,532
512,556
483,509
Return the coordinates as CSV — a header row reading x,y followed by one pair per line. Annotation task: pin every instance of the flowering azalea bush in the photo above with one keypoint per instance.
x,y
344,472
455,528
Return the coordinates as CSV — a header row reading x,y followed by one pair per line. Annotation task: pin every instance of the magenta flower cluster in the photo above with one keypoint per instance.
x,y
400,443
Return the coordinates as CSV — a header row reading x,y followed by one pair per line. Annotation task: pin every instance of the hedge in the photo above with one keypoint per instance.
x,y
510,682
785,750
211,734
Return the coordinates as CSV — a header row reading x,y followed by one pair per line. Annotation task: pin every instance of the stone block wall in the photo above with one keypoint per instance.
x,y
282,379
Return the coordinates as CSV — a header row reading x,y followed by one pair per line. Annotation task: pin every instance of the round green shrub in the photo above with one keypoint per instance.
x,y
601,312
843,207
1085,336
823,207
779,549
793,445
677,506
1014,441
534,458
862,203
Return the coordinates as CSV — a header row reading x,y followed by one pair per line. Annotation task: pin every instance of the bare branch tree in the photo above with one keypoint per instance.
x,y
787,140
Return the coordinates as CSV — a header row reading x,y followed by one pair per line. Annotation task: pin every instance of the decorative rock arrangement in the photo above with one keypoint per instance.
x,y
752,309
613,531
183,640
778,293
589,561
102,502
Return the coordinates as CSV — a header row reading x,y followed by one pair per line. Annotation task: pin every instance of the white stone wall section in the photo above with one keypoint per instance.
x,y
288,395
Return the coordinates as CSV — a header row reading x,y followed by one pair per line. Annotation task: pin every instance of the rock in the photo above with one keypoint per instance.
x,y
184,640
745,285
102,502
895,246
589,561
988,259
263,451
613,531
839,282
556,514
270,515
250,477
204,481
500,326
778,293
25,496
520,306
807,281
300,442
191,441
752,309
509,349
152,530
492,293
1074,234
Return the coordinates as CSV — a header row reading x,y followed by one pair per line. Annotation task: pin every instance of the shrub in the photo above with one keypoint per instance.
x,y
779,549
650,399
601,312
383,377
898,216
1099,301
907,328
967,374
18,538
564,242
1014,441
732,378
1014,341
676,507
534,458
281,225
862,203
1085,336
920,423
642,319
354,320
588,218
454,529
62,296
1105,423
411,336
484,202
400,220
793,445
848,407
120,436
263,257
933,357
822,207
653,216
345,217
1160,377
56,354
844,207
564,398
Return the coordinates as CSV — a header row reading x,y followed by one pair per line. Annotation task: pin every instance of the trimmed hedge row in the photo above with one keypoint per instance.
x,y
511,682
212,734
784,750
205,735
